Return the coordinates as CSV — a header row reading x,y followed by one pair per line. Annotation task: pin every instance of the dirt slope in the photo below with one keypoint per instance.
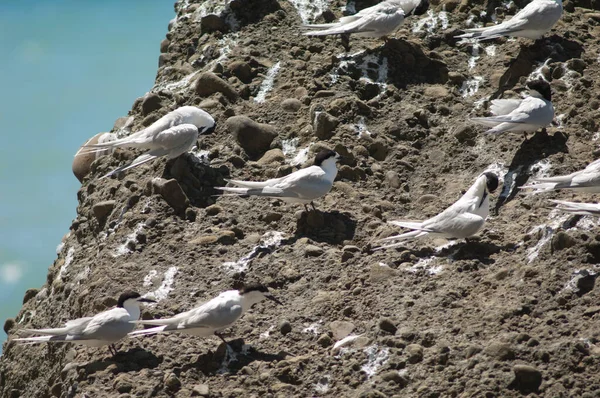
x,y
509,314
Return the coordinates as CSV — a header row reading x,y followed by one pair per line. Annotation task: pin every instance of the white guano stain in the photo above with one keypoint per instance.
x,y
270,240
165,287
267,85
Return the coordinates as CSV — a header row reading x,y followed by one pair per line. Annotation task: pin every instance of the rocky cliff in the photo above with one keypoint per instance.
x,y
514,312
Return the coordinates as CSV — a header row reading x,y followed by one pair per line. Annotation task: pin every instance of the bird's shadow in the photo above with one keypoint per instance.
x,y
230,358
553,48
196,178
532,150
133,359
473,249
330,227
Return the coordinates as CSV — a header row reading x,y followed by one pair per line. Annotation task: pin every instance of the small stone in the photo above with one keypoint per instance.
x,y
204,240
379,150
29,294
241,70
172,382
172,193
213,210
82,163
272,217
254,138
324,125
201,390
272,156
341,329
285,327
500,351
527,379
103,209
123,384
414,353
56,389
208,83
466,134
164,45
396,377
387,326
436,91
211,23
313,251
392,179
324,340
150,103
562,240
291,105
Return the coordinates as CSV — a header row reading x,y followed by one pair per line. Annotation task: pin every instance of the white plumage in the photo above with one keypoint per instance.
x,y
586,180
532,22
461,220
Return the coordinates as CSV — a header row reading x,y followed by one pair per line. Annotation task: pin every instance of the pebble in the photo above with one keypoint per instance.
x,y
395,376
324,125
527,378
208,83
254,138
341,329
150,103
241,70
414,353
212,23
313,251
285,327
393,179
271,217
562,240
500,351
387,326
201,390
103,209
172,382
172,193
272,156
324,340
213,210
379,150
29,294
291,105
123,384
82,163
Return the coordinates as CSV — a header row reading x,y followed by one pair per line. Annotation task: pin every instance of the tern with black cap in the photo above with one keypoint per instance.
x,y
521,115
105,328
172,135
302,186
212,316
460,221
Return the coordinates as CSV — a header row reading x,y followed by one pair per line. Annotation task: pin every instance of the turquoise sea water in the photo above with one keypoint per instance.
x,y
69,69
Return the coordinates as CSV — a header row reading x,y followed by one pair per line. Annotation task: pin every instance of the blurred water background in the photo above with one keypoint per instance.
x,y
69,70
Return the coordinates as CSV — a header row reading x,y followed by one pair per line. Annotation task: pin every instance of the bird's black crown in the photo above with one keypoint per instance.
x,y
324,155
126,295
542,87
492,181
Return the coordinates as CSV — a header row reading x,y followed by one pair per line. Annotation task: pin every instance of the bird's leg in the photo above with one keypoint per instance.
x,y
345,41
222,338
112,350
305,208
313,205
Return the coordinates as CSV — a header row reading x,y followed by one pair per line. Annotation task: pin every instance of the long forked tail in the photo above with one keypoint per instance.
x,y
40,339
539,187
147,332
138,161
578,208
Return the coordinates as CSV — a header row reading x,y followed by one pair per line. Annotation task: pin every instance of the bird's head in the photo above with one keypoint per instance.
x,y
257,292
326,156
421,8
491,181
130,297
540,88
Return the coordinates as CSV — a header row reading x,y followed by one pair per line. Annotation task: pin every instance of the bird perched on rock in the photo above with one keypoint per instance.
x,y
379,20
213,316
586,180
578,208
460,221
532,22
171,135
521,115
105,328
302,186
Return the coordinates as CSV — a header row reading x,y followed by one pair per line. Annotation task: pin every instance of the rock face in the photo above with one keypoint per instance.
x,y
513,312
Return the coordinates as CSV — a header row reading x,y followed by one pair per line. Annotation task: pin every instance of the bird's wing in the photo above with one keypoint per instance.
x,y
151,155
504,106
216,314
255,184
72,326
452,226
372,21
105,321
